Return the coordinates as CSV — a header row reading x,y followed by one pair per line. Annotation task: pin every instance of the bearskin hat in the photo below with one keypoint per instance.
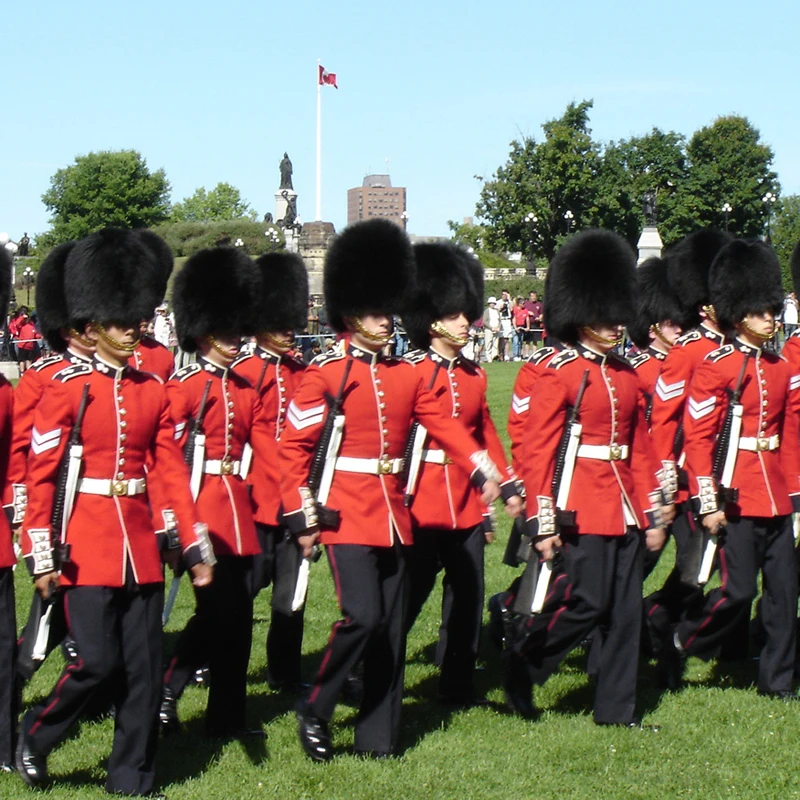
x,y
449,281
745,278
369,269
164,258
213,294
591,280
688,265
114,275
794,264
282,293
6,271
51,304
656,301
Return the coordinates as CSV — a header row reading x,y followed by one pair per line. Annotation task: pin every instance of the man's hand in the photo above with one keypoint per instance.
x,y
202,574
714,521
515,506
490,492
307,540
655,539
47,583
548,546
667,514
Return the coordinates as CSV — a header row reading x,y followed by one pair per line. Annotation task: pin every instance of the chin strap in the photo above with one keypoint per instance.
x,y
79,337
437,327
762,337
277,343
378,338
595,336
218,347
711,313
112,342
656,328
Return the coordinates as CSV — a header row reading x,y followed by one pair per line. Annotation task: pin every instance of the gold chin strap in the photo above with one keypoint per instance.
x,y
378,338
437,327
280,345
73,334
656,328
712,314
762,337
112,342
595,336
218,347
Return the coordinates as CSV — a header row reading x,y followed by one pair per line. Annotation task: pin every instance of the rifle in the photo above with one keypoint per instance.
x,y
723,465
536,578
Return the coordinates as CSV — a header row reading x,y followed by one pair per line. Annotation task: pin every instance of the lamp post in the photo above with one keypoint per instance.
x,y
404,217
569,217
769,201
726,210
28,281
531,219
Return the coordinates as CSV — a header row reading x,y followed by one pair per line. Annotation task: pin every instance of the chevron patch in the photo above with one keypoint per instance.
x,y
520,405
40,442
700,409
669,391
179,429
794,383
304,418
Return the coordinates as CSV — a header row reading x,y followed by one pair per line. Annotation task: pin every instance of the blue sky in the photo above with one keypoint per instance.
x,y
217,91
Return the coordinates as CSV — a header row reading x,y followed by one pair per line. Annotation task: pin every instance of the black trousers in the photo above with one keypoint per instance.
x,y
604,588
371,590
460,554
117,633
219,634
8,658
749,545
278,564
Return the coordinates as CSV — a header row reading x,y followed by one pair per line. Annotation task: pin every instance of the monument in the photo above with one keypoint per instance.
x,y
650,244
285,196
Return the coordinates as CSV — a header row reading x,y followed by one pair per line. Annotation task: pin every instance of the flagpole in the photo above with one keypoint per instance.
x,y
319,145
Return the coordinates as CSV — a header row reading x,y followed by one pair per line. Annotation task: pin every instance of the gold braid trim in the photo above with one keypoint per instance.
x,y
656,328
372,337
112,342
595,336
437,327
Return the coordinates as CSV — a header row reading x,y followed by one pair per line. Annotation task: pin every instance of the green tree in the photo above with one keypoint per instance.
x,y
104,188
223,202
786,233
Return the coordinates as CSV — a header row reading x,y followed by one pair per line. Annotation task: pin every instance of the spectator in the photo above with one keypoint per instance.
x,y
789,315
474,347
535,313
400,338
491,329
506,327
313,318
163,329
310,353
521,321
26,338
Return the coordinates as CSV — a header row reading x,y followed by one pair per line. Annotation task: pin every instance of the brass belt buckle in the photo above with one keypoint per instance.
x,y
762,443
384,466
226,467
614,452
119,488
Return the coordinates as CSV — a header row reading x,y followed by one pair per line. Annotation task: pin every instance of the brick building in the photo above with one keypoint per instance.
x,y
376,197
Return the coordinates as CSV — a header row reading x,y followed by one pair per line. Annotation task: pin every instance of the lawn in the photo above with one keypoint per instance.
x,y
717,738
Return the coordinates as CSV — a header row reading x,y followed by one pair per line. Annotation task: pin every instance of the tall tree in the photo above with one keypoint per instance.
x,y
105,188
223,202
786,233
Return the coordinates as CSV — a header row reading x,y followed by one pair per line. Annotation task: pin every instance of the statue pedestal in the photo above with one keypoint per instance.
x,y
649,244
282,203
315,238
291,238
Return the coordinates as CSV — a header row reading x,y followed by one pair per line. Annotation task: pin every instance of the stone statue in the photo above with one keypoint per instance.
x,y
268,218
291,211
649,207
24,245
286,173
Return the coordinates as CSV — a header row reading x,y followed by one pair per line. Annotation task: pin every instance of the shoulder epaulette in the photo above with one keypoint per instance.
x,y
689,336
639,359
471,366
720,353
327,358
46,362
186,372
73,371
415,356
564,357
240,359
541,354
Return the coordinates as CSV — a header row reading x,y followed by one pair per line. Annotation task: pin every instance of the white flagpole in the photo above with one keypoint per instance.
x,y
319,146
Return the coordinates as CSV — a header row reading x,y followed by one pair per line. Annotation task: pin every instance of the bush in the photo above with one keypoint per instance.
x,y
186,238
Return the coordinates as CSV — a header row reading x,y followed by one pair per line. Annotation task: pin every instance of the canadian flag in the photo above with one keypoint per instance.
x,y
327,78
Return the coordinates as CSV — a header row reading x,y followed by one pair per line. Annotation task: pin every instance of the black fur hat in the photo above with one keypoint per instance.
x,y
794,264
165,261
449,281
51,304
282,294
369,268
656,301
591,280
6,271
688,265
213,294
745,278
114,275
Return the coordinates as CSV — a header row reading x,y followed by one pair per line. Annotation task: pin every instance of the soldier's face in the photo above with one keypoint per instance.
x,y
280,341
377,329
670,330
762,324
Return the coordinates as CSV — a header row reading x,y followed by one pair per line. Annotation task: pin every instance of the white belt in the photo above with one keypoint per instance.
x,y
217,467
370,466
759,444
435,457
603,452
109,488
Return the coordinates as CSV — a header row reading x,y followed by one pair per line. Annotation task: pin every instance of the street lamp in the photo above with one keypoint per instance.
x,y
769,201
238,243
569,217
726,210
273,236
531,219
27,281
404,217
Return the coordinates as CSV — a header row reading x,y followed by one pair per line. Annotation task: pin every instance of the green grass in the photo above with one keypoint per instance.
x,y
718,739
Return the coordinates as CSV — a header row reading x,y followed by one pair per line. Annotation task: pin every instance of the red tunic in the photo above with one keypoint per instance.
x,y
607,496
233,416
382,397
127,423
275,378
648,368
445,498
7,555
151,356
791,352
771,403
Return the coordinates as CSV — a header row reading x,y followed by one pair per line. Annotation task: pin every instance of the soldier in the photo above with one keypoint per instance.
x,y
745,290
614,492
451,527
213,298
281,309
369,272
107,560
8,559
791,349
688,265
